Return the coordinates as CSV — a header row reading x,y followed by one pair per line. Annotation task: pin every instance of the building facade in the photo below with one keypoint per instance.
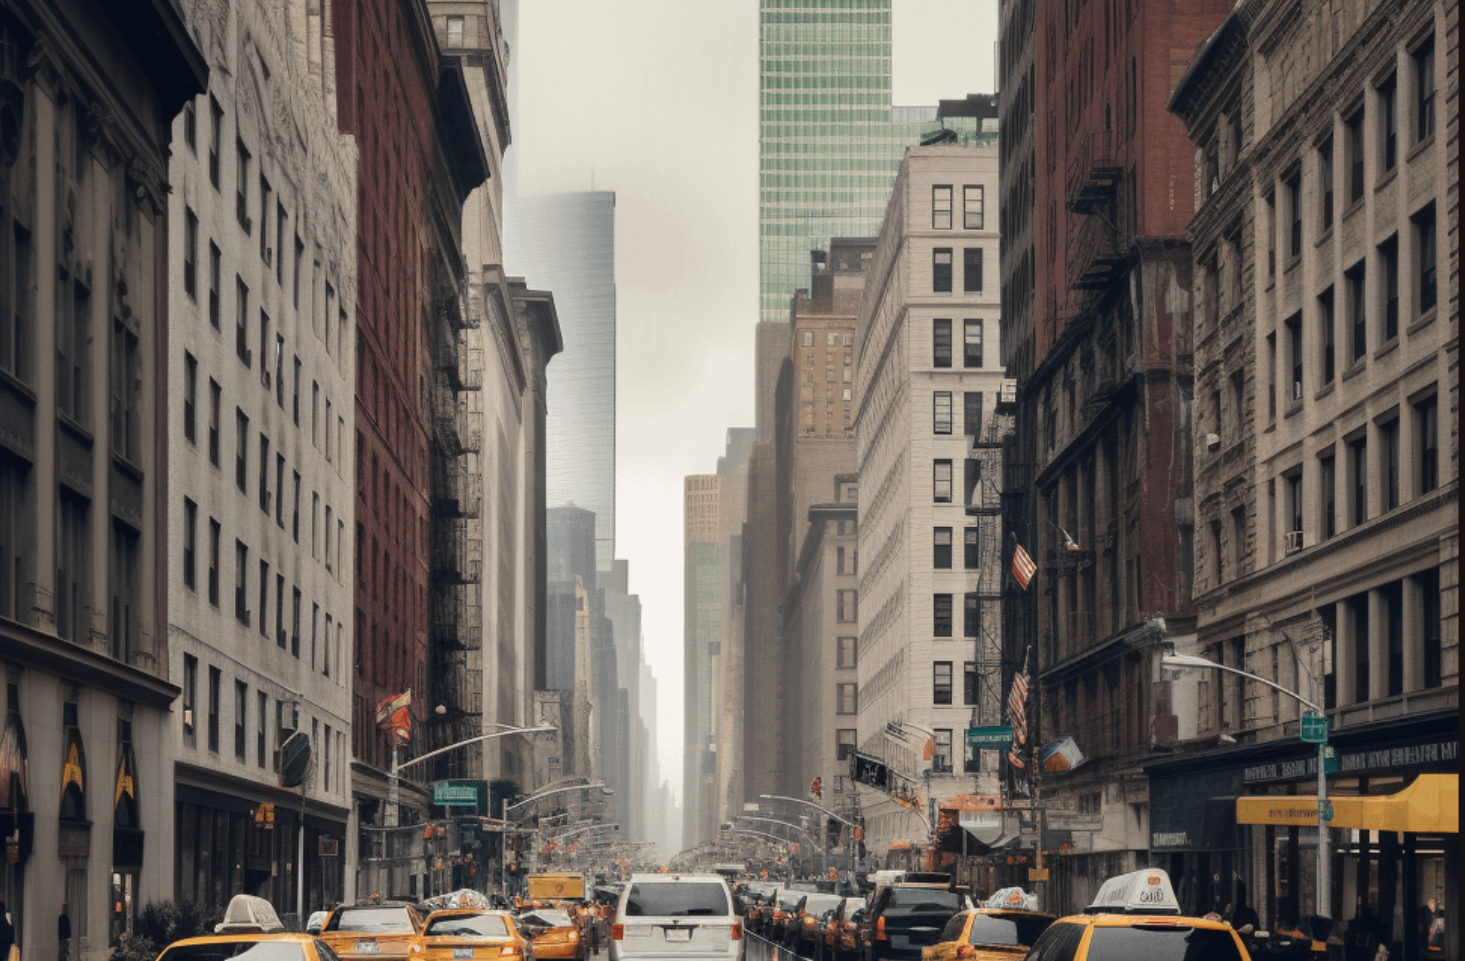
x,y
927,379
87,94
1326,283
262,292
702,632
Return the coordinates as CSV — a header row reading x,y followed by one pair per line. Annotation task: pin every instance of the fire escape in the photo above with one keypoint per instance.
x,y
455,591
1096,247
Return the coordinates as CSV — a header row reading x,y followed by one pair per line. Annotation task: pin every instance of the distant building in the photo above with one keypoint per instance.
x,y
88,414
1327,479
927,381
263,290
702,632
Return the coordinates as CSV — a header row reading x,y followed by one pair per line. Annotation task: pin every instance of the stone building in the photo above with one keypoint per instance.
x,y
1326,338
927,380
87,93
261,356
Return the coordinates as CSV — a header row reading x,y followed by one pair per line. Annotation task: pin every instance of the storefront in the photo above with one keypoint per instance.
x,y
1194,837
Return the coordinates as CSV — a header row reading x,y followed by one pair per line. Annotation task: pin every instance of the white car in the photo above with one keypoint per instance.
x,y
676,915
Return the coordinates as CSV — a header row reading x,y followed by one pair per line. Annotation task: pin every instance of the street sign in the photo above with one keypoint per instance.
x,y
1315,728
1325,808
989,737
1037,874
450,793
1330,760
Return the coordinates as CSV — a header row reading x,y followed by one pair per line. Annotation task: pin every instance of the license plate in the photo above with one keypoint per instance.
x,y
462,952
678,934
367,947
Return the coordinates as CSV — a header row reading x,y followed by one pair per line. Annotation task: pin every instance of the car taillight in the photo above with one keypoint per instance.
x,y
737,932
966,951
880,928
618,932
778,916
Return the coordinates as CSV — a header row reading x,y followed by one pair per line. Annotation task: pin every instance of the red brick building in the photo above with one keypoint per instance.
x,y
1102,356
420,156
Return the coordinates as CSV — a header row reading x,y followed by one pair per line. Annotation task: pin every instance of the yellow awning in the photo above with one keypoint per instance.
x,y
1431,805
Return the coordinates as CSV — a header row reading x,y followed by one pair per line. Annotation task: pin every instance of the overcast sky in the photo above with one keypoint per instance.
x,y
658,101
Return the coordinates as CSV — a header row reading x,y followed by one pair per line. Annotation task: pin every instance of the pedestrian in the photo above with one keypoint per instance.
x,y
63,933
7,933
1361,941
1244,917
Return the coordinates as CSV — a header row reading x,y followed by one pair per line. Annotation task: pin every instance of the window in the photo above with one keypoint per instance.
x,y
1294,215
941,270
1294,356
969,684
190,398
971,614
941,343
971,343
314,524
190,544
241,456
295,513
264,473
215,402
279,252
215,683
1424,90
941,615
846,655
971,413
1358,481
216,267
941,682
126,383
328,537
296,396
17,311
1238,540
971,207
264,598
241,717
215,535
241,323
1293,482
73,355
190,126
295,277
846,699
1328,494
262,706
1355,156
190,696
280,610
1388,126
971,269
1389,464
972,546
241,198
1269,238
295,606
216,139
845,741
315,413
265,253
241,582
190,253
941,548
1425,256
328,430
1271,377
941,482
1426,418
1389,288
279,494
1326,336
1325,181
941,756
1429,595
847,606
71,569
941,207
1357,313
941,412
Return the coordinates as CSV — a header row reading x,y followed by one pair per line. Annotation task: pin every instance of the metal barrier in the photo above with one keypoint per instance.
x,y
756,948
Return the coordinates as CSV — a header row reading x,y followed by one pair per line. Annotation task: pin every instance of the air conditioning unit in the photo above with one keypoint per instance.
x,y
1297,390
1293,542
1213,442
188,717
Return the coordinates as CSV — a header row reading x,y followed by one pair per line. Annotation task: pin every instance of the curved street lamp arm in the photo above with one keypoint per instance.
x,y
1193,661
817,807
399,768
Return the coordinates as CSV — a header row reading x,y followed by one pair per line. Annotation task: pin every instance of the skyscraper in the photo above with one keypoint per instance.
x,y
829,141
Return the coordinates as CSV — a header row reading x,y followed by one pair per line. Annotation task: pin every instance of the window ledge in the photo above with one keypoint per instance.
x,y
1293,260
1387,347
1419,148
1424,321
1325,390
18,387
1356,368
72,427
126,466
1295,407
1325,236
1388,178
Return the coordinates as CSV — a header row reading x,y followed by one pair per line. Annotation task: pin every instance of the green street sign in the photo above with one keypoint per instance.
x,y
449,793
1326,811
1330,760
989,737
1315,728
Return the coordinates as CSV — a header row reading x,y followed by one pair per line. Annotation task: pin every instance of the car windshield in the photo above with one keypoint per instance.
x,y
677,899
924,899
555,919
470,926
819,903
1009,930
1162,943
392,920
234,950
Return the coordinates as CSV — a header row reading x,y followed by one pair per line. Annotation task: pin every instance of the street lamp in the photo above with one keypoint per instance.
x,y
1324,882
813,844
560,790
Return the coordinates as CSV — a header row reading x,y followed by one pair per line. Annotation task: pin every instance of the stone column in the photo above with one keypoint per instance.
x,y
1378,644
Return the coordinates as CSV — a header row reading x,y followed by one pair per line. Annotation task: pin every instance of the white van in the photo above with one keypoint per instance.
x,y
676,915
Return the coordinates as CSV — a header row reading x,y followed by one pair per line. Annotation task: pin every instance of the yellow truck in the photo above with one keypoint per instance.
x,y
556,887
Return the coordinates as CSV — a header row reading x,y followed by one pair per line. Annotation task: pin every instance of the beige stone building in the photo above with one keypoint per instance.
x,y
1326,248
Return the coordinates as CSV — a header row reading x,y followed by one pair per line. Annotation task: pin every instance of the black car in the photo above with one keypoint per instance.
x,y
906,917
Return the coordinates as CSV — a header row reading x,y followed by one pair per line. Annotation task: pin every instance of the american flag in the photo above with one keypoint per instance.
x,y
1023,567
1017,707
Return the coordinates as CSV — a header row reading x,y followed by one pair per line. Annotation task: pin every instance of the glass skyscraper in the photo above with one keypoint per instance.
x,y
829,141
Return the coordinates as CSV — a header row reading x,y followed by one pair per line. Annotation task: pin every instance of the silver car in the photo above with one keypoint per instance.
x,y
676,915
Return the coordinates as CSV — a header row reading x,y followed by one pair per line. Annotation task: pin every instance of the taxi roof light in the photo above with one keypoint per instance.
x,y
1140,892
247,914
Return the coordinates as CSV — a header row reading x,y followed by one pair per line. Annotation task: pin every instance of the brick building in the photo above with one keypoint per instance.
x,y
421,154
1102,360
1326,283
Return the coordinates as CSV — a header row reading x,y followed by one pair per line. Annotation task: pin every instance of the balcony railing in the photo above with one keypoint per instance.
x,y
1093,173
1095,255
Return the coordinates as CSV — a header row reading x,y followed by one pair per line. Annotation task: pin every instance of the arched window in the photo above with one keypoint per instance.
x,y
124,799
73,779
14,779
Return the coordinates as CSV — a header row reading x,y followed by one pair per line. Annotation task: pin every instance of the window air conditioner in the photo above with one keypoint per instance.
x,y
1294,542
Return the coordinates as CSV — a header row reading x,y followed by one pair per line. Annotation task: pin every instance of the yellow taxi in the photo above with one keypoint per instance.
x,y
251,930
461,933
554,932
1136,916
1005,927
372,930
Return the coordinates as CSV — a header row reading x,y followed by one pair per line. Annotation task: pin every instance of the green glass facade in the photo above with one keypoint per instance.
x,y
829,141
